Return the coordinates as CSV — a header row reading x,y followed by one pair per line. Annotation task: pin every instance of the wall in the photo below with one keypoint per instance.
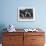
x,y
8,9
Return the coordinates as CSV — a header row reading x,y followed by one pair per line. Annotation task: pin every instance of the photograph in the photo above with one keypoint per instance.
x,y
26,14
22,23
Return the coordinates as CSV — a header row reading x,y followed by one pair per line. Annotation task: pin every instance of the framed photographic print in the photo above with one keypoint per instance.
x,y
26,14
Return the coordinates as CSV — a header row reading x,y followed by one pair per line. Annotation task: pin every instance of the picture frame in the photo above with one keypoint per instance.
x,y
26,14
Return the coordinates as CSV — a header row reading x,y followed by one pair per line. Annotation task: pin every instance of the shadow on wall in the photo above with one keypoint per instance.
x,y
2,26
